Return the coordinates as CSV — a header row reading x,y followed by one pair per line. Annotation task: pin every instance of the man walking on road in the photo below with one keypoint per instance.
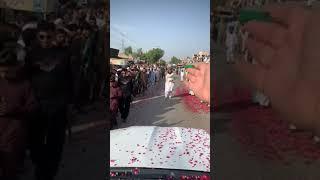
x,y
126,86
115,95
181,74
51,79
169,84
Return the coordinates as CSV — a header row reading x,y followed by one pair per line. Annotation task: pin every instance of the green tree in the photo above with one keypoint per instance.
x,y
128,51
162,62
154,55
139,52
135,55
143,56
175,60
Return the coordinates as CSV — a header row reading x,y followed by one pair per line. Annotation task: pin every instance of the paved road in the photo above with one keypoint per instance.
x,y
84,155
231,161
153,110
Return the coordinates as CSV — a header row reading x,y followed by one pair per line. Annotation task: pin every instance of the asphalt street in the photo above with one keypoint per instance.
x,y
85,152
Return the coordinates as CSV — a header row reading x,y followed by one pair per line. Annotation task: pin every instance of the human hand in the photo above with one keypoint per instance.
x,y
288,56
198,79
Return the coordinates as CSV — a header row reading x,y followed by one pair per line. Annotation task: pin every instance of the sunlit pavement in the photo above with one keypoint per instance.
x,y
154,110
85,152
232,161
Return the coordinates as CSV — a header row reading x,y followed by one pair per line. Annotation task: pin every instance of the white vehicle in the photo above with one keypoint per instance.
x,y
151,152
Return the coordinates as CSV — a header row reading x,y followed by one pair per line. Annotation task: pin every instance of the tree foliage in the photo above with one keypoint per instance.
x,y
139,52
135,55
154,55
175,60
143,57
163,62
128,51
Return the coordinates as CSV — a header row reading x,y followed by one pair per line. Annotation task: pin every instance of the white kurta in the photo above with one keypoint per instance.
x,y
181,75
169,85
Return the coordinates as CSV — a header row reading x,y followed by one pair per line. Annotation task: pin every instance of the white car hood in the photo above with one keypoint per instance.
x,y
160,147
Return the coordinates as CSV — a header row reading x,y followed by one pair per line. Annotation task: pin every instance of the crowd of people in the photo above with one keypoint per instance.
x,y
130,82
197,58
47,68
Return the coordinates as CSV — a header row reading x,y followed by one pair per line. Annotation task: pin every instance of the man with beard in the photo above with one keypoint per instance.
x,y
126,86
51,79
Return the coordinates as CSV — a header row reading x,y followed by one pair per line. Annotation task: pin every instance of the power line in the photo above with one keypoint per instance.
x,y
124,36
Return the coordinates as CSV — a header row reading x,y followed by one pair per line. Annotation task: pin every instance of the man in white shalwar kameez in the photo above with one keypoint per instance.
x,y
169,84
181,74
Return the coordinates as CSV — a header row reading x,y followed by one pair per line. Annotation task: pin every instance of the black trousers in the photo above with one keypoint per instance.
x,y
124,107
47,138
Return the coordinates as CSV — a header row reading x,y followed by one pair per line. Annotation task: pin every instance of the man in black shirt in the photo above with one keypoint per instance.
x,y
50,75
126,86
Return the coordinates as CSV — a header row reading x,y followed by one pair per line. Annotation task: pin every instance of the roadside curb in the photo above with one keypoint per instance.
x,y
85,126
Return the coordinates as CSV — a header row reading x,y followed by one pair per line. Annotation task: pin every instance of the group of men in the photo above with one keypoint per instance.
x,y
47,68
126,83
197,58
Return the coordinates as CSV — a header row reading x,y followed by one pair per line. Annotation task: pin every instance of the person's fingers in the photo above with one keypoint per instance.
x,y
253,73
193,71
198,65
190,84
288,15
280,13
260,52
191,77
269,33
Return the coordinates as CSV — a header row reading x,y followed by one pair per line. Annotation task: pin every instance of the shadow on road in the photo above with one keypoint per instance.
x,y
152,113
170,124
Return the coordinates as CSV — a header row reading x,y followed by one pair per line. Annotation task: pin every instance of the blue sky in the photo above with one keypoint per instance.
x,y
179,27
